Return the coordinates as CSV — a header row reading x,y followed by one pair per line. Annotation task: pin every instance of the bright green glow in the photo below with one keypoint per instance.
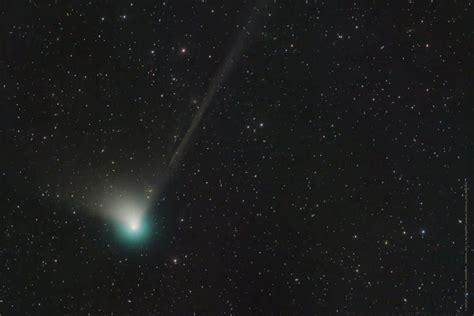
x,y
134,230
131,220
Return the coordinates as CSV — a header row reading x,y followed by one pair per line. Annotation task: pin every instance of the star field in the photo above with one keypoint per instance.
x,y
325,173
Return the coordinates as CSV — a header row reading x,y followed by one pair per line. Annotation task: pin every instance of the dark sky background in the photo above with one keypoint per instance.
x,y
326,176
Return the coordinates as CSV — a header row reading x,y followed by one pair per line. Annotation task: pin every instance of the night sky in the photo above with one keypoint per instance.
x,y
234,157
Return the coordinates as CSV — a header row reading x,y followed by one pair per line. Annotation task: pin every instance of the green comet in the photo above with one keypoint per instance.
x,y
134,231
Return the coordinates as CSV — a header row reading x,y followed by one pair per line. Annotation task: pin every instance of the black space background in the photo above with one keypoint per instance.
x,y
327,176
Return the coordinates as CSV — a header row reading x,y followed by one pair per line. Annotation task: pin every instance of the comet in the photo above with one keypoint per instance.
x,y
130,215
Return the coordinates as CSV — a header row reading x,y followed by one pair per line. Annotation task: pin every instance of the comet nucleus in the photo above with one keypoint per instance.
x,y
131,220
